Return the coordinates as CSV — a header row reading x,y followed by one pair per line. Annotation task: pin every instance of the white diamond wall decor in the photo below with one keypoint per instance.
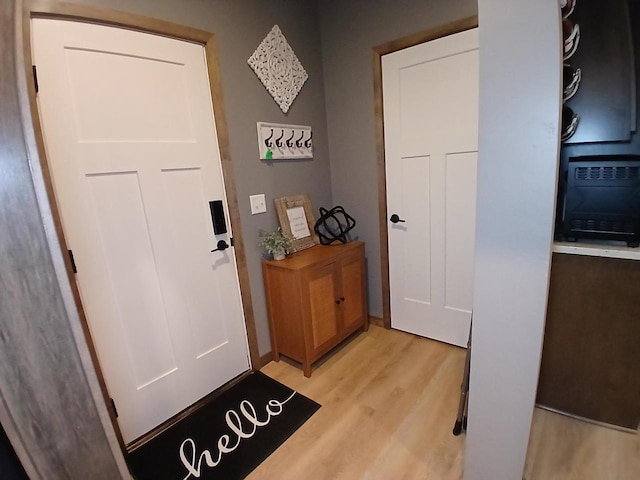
x,y
278,68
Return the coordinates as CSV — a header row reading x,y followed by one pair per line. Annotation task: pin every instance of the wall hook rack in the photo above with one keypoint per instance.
x,y
292,141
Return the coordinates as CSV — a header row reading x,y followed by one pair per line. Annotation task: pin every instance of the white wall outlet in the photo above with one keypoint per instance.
x,y
258,204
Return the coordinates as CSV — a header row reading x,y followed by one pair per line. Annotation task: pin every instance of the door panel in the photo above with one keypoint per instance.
x,y
431,133
190,229
437,87
132,147
132,274
413,271
352,291
322,299
460,195
133,105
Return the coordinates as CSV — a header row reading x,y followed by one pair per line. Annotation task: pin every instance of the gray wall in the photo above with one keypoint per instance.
x,y
240,26
350,30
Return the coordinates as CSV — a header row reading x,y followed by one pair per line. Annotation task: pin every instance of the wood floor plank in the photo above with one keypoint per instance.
x,y
564,448
389,401
373,393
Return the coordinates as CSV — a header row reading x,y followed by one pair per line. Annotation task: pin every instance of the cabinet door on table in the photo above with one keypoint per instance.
x,y
323,307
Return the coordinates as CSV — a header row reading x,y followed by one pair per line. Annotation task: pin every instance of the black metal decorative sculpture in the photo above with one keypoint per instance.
x,y
333,225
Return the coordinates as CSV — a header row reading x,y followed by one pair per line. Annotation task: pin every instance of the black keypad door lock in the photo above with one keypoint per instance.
x,y
217,217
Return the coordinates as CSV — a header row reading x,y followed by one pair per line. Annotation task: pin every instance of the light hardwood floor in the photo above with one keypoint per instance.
x,y
389,402
562,448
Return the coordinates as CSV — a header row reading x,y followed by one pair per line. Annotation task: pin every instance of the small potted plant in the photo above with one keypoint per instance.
x,y
276,243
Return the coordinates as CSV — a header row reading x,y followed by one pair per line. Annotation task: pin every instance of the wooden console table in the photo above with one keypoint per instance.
x,y
315,299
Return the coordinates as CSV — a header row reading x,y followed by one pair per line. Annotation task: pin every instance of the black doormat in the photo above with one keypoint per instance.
x,y
227,438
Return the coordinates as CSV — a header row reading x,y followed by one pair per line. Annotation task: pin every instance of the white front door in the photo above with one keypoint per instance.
x,y
133,153
430,96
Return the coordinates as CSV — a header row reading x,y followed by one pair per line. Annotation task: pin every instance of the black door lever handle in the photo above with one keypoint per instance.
x,y
222,245
395,219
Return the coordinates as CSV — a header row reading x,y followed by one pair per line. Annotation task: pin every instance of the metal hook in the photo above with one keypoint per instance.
x,y
288,142
307,143
299,141
267,142
278,140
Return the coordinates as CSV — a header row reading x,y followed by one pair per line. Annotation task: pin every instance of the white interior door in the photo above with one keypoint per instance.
x,y
131,141
430,96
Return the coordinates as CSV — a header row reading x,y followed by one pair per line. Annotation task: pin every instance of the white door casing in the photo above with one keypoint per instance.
x,y
131,143
430,95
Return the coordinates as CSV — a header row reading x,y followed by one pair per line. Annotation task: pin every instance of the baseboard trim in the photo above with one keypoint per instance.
x,y
265,359
381,322
588,420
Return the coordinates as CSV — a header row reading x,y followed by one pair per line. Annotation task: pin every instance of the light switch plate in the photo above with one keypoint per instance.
x,y
258,204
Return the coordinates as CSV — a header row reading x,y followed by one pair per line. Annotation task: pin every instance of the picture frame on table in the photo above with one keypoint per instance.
x,y
296,219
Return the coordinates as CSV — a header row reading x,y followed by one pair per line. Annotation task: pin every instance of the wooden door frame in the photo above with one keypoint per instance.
x,y
68,11
390,47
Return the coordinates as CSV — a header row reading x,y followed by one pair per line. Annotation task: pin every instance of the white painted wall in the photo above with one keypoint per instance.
x,y
520,85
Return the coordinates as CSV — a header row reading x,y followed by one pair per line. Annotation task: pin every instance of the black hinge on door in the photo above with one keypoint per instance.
x,y
35,77
73,262
113,405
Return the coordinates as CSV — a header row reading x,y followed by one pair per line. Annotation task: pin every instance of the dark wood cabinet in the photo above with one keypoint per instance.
x,y
591,356
315,299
